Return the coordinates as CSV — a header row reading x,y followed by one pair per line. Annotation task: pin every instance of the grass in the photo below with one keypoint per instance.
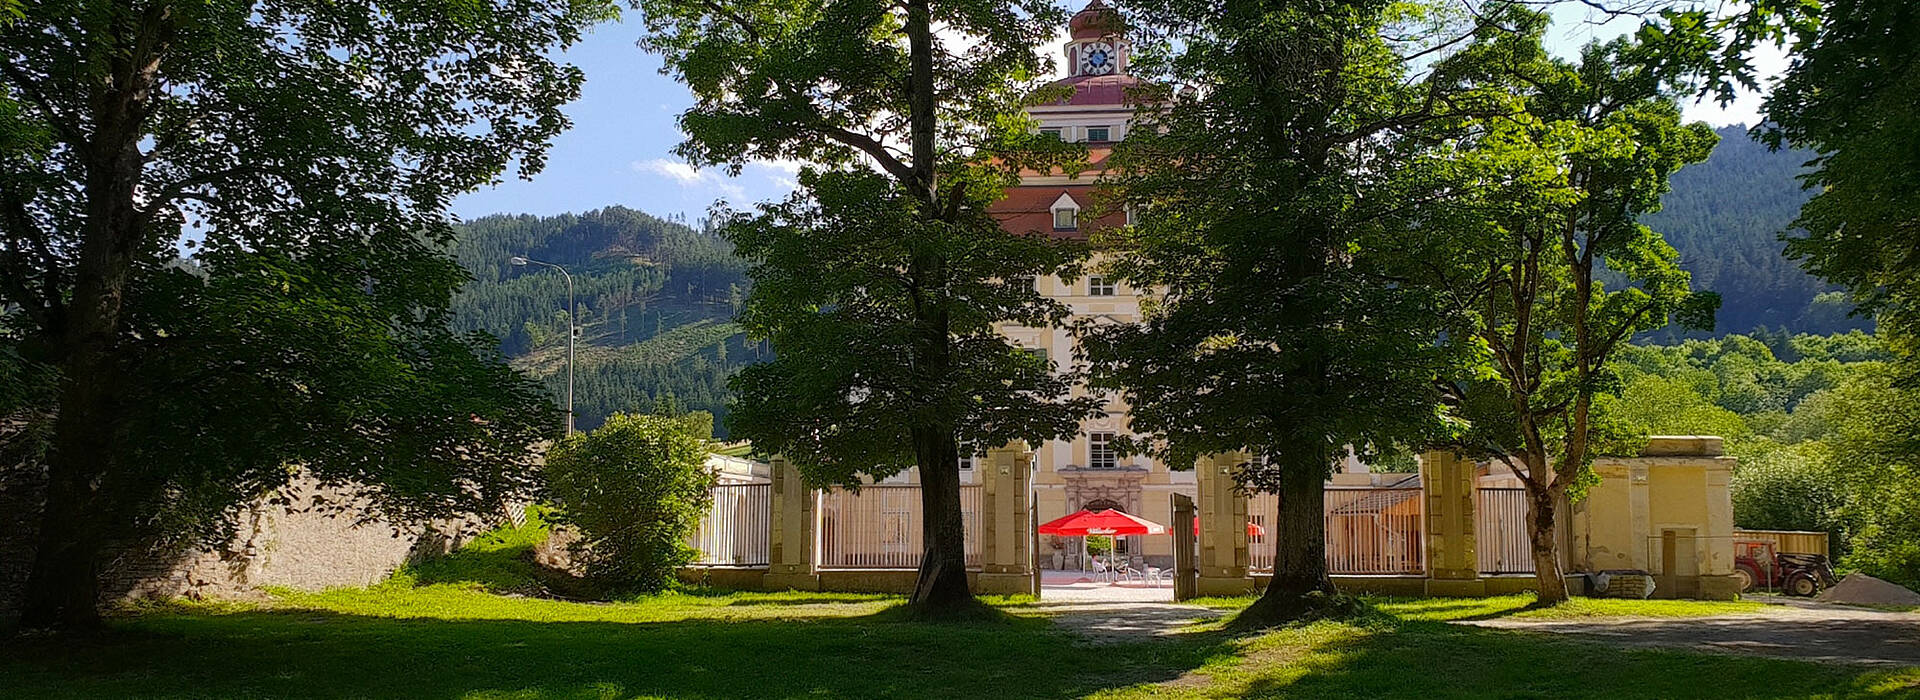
x,y
458,641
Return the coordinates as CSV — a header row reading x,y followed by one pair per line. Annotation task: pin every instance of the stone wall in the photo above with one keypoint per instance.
x,y
283,546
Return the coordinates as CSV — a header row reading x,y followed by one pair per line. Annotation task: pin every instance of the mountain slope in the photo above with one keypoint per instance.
x,y
655,300
1725,216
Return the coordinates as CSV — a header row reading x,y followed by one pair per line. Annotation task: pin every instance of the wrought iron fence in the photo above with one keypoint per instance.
x,y
736,527
879,526
1500,531
1368,530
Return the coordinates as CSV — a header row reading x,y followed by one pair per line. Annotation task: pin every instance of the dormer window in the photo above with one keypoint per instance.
x,y
1098,134
1066,213
1065,219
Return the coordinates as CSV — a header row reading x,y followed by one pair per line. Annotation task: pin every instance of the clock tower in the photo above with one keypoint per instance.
x,y
1096,47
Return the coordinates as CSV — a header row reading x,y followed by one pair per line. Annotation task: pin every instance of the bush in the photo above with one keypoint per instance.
x,y
634,489
1786,487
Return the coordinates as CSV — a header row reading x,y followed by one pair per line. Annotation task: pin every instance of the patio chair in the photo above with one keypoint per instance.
x,y
1100,569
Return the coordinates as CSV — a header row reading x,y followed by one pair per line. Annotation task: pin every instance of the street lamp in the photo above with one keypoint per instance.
x,y
518,261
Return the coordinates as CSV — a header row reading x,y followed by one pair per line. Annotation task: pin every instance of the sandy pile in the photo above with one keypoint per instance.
x,y
1863,589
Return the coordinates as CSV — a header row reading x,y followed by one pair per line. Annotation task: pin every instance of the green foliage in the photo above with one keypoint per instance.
x,y
1566,184
1284,326
850,387
1787,487
879,290
497,561
1099,544
1863,224
635,489
1820,435
302,156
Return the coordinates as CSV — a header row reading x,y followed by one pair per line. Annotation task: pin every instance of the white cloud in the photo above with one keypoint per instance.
x,y
693,181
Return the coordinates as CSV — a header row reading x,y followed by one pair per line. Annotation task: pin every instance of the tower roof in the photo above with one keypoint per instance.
x,y
1096,20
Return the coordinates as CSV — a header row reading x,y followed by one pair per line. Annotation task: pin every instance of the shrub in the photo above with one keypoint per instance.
x,y
634,489
1786,487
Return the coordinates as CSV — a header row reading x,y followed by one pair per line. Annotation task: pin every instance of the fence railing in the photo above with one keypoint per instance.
x,y
879,527
736,527
1369,530
1500,531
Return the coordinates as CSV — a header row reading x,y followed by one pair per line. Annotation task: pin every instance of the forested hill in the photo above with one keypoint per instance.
x,y
656,297
1725,217
656,300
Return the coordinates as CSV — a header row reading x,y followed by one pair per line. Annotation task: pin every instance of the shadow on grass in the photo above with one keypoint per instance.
x,y
310,653
1423,659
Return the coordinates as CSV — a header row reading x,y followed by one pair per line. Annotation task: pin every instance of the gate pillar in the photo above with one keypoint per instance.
x,y
1453,566
1006,522
1224,558
793,518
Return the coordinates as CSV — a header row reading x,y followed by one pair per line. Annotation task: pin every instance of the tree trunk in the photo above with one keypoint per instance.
x,y
1300,544
64,585
942,583
1542,506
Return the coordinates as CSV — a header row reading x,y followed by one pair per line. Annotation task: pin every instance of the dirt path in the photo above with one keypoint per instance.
x,y
1793,628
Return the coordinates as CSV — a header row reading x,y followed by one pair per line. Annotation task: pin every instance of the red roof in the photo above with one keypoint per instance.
x,y
1029,209
1098,89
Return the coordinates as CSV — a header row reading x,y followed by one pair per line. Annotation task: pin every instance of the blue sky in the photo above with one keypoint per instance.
x,y
619,150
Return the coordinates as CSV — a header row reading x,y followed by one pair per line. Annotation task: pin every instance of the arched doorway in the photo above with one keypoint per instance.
x,y
1100,504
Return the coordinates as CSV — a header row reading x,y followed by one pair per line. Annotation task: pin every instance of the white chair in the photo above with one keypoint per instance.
x,y
1101,570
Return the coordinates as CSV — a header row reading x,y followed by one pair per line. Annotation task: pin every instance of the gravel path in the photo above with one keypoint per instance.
x,y
1792,628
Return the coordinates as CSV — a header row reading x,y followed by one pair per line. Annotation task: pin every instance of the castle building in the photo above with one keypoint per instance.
x,y
1086,472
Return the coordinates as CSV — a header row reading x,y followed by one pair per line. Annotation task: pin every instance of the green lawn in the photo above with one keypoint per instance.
x,y
454,641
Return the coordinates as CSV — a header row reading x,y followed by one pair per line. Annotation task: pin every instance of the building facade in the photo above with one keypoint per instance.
x,y
1087,472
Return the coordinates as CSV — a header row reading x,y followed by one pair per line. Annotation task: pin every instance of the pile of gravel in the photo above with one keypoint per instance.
x,y
1861,589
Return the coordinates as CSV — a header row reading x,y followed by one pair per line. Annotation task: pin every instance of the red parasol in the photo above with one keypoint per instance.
x,y
1105,522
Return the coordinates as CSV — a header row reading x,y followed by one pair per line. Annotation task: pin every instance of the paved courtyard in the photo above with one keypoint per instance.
x,y
1085,586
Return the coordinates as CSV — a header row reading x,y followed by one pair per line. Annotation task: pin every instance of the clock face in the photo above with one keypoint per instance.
x,y
1097,58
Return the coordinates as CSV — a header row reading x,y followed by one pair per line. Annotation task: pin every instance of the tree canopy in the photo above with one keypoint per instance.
x,y
224,230
880,281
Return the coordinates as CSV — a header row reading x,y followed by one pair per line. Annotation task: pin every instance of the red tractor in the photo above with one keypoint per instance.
x,y
1758,566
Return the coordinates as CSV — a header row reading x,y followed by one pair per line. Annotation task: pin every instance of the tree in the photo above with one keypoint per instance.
x,y
304,155
880,282
1270,219
635,488
1559,189
1849,96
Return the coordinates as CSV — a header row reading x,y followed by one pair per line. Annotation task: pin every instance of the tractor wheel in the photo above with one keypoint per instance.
x,y
1745,578
1802,585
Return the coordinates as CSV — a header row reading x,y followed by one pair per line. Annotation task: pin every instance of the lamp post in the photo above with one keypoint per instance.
x,y
519,261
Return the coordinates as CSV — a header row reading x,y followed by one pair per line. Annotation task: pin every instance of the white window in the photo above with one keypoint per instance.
x,y
1100,287
1027,282
1100,452
1097,134
1066,219
1130,219
966,459
1053,131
